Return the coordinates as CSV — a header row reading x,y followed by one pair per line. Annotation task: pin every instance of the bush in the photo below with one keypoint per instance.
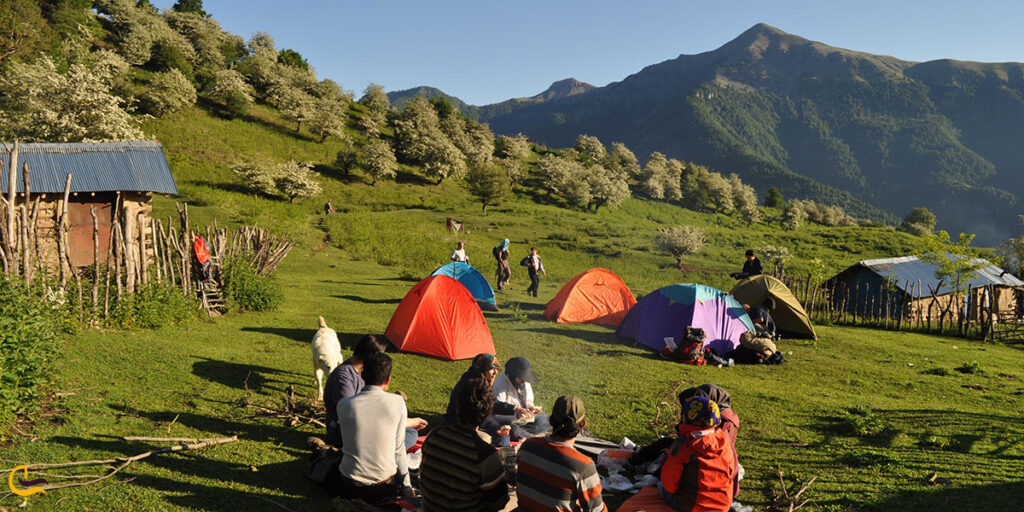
x,y
680,241
153,305
30,320
168,92
249,291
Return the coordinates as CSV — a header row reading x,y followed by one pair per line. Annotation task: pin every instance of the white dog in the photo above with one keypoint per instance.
x,y
326,355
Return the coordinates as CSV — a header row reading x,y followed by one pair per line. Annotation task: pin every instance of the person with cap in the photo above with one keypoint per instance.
x,y
515,387
552,475
486,367
751,267
764,324
504,272
699,474
461,471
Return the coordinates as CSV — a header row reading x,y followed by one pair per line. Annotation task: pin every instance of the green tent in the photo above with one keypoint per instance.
x,y
789,315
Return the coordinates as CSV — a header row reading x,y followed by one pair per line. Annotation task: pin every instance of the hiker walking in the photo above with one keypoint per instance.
x,y
328,209
459,254
533,265
504,272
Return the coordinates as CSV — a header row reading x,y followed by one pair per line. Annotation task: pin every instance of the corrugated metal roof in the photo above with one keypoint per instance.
x,y
137,166
911,269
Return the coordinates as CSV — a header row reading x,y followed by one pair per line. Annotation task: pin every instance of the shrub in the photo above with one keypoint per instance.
x,y
29,324
970,368
153,305
249,291
168,92
680,241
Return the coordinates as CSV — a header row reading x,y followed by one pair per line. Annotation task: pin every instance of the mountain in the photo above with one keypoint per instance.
x,y
872,133
399,99
559,90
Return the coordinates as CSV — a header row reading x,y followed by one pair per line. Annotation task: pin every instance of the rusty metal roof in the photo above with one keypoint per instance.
x,y
137,166
910,269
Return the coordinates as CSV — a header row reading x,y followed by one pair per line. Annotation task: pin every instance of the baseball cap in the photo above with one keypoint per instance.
x,y
520,367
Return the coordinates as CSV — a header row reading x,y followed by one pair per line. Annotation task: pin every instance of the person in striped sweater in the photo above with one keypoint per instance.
x,y
461,471
553,476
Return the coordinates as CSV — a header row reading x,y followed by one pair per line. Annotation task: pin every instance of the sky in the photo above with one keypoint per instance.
x,y
486,51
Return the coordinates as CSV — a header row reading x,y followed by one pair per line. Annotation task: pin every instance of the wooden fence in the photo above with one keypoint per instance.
x,y
912,307
141,250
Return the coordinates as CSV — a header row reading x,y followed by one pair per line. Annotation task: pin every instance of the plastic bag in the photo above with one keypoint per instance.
x,y
616,482
642,481
739,507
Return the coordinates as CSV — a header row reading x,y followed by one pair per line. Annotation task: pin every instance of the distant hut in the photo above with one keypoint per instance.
x,y
114,178
874,287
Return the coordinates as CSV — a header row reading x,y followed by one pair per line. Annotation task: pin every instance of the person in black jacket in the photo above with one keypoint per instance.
x,y
751,267
486,367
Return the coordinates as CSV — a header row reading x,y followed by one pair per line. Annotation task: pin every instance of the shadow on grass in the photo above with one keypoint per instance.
x,y
365,300
980,498
300,335
237,188
238,375
278,478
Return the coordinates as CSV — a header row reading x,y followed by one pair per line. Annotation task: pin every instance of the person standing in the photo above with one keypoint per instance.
x,y
535,267
461,471
459,254
374,466
553,475
504,272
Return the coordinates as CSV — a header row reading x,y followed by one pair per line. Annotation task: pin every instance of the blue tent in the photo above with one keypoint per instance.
x,y
473,280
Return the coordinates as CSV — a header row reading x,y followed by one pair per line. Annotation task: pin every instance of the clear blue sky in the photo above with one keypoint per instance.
x,y
485,51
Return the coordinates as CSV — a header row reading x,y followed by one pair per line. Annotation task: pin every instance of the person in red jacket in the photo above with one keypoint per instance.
x,y
700,471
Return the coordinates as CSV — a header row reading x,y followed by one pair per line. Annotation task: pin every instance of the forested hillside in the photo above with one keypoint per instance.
x,y
865,131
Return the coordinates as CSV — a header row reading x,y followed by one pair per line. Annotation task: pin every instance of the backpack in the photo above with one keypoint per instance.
x,y
691,348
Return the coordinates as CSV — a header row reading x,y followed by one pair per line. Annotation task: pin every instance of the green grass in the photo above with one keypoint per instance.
x,y
857,408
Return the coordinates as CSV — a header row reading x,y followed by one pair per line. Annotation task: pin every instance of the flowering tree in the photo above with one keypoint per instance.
x,y
379,160
680,241
168,92
289,179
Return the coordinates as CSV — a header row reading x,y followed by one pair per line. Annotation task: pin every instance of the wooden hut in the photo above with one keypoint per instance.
x,y
878,288
110,179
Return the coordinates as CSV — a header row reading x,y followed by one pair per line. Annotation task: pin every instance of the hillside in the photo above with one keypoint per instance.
x,y
558,90
865,131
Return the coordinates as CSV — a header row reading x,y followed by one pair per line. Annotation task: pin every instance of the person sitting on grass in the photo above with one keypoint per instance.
x,y
751,267
374,466
763,321
461,471
700,471
515,388
552,474
485,367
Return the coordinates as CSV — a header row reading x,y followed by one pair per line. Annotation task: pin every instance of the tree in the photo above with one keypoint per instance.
x,y
292,58
231,90
293,103
621,160
606,187
774,199
194,6
41,103
793,215
680,242
1012,254
517,147
590,149
955,263
288,179
777,256
719,191
488,183
920,221
327,119
21,27
745,199
655,174
168,92
419,138
376,100
565,177
379,160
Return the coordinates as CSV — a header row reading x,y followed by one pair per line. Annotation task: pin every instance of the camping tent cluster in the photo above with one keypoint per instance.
x,y
442,315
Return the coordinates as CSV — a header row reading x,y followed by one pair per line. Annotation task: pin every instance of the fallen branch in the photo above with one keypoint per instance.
x,y
155,439
786,503
122,462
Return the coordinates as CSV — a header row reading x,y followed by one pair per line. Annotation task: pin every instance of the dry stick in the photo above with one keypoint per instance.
x,y
12,186
117,257
106,279
25,243
156,250
156,439
95,262
124,462
140,222
61,240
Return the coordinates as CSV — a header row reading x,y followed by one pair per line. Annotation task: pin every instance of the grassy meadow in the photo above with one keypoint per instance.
x,y
869,413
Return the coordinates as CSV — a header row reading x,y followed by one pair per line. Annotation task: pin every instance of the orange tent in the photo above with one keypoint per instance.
x,y
440,318
597,296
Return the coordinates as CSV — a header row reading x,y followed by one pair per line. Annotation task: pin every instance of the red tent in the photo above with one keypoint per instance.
x,y
439,317
597,296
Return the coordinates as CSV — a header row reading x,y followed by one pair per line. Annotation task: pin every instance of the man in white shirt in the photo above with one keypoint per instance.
x,y
515,387
459,254
374,467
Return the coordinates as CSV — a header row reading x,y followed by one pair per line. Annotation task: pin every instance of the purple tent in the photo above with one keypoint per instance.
x,y
667,312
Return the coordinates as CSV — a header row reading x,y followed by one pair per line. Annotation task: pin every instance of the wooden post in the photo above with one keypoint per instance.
x,y
95,262
106,279
12,186
143,266
26,245
62,242
118,257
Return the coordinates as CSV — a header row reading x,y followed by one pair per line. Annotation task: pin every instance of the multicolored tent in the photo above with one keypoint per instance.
x,y
439,317
473,280
597,296
789,315
668,311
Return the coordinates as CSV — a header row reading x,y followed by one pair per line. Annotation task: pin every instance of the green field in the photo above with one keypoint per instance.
x,y
869,413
